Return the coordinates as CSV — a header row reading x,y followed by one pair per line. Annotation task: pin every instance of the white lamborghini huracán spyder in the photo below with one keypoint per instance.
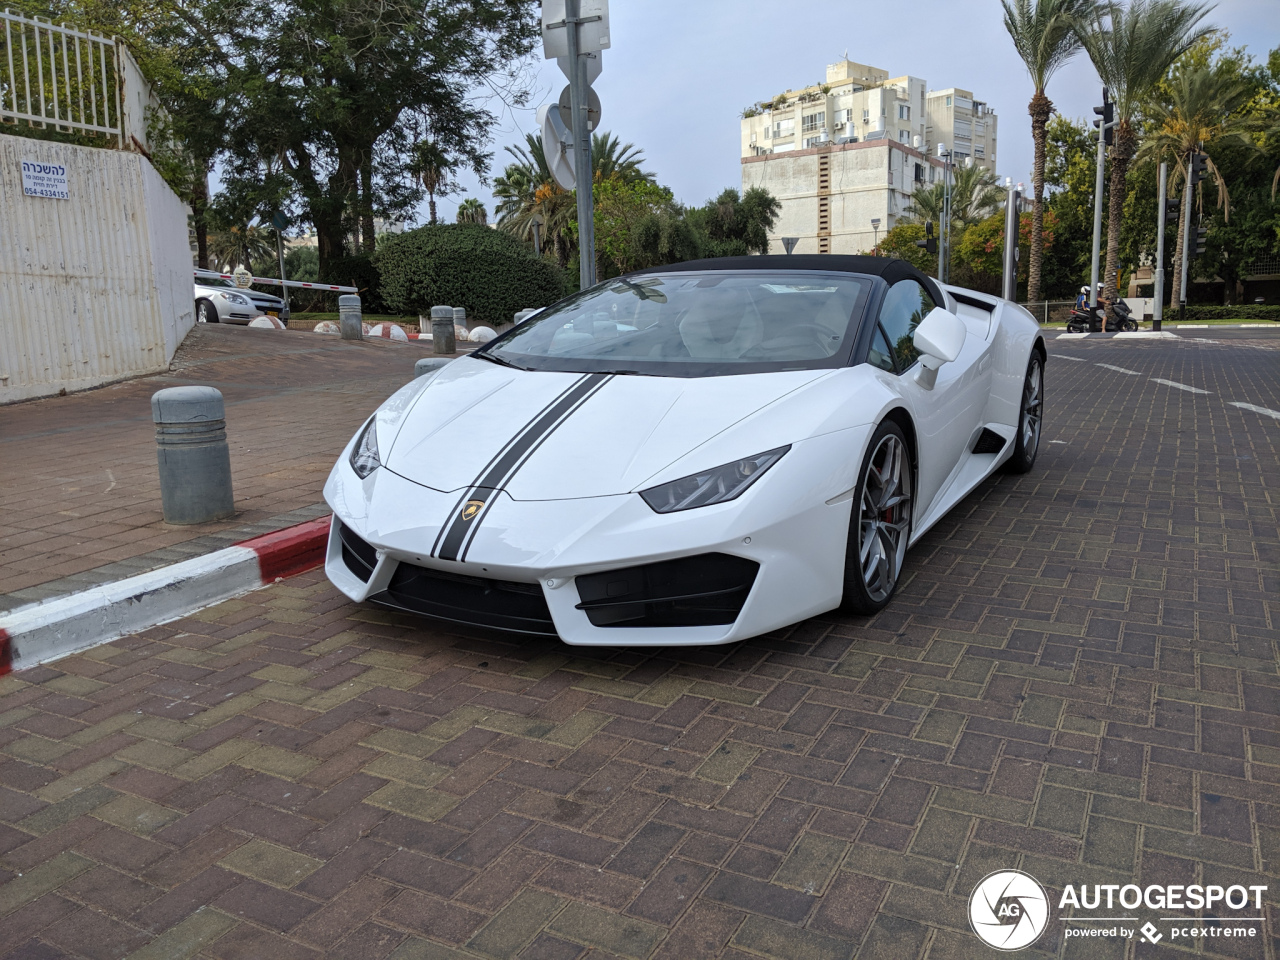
x,y
693,454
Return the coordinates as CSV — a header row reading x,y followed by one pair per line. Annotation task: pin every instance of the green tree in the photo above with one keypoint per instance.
x,y
981,249
432,167
638,225
236,245
900,242
1199,107
735,225
975,193
1070,169
333,96
1132,47
1044,34
472,210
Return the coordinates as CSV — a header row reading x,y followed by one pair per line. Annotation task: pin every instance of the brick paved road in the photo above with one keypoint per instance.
x,y
1079,679
78,482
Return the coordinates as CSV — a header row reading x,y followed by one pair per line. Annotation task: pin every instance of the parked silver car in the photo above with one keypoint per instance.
x,y
221,301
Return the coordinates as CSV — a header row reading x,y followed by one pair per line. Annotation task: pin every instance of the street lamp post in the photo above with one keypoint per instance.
x,y
875,227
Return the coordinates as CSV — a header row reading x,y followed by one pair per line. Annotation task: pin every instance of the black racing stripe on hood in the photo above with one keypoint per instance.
x,y
469,512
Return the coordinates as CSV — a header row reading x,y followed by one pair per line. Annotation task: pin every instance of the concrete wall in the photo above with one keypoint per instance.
x,y
95,288
869,180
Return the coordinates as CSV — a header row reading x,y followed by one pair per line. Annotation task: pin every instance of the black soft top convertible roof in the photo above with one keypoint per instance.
x,y
890,269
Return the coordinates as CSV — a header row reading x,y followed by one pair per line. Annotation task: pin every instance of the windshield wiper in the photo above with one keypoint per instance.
x,y
500,361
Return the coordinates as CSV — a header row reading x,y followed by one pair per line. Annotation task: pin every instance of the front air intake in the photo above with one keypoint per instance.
x,y
359,556
700,591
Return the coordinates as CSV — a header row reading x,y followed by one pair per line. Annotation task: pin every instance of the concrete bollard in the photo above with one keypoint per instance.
x,y
428,365
191,450
442,337
459,316
349,318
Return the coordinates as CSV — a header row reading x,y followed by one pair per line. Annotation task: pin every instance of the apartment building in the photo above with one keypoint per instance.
x,y
966,125
844,157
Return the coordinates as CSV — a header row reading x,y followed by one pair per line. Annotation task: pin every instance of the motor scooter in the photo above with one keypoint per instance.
x,y
1089,319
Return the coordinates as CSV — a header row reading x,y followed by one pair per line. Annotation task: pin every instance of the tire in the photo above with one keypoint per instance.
x,y
206,312
1026,442
880,525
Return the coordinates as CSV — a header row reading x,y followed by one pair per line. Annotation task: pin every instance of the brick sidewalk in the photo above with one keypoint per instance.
x,y
1079,679
78,482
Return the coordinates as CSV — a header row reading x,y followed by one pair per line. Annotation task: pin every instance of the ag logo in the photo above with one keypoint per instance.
x,y
1008,910
472,508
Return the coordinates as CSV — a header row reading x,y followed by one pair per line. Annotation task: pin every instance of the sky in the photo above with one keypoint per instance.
x,y
679,74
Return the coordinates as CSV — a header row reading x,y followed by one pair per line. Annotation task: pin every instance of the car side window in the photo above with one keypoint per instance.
x,y
880,355
905,305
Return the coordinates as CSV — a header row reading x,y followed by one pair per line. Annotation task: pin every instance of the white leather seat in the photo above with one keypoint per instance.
x,y
718,326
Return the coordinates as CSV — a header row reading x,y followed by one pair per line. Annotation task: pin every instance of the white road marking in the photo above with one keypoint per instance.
x,y
1275,414
1071,336
1179,386
1132,373
1063,356
1063,442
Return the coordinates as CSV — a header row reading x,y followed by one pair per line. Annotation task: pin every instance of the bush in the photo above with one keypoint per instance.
x,y
488,272
1245,311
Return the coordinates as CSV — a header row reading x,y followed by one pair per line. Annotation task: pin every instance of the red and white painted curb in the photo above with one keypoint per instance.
x,y
60,626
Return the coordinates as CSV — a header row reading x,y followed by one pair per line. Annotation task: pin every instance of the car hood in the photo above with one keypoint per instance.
x,y
568,435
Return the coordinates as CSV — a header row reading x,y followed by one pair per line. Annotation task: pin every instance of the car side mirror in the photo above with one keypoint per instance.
x,y
939,338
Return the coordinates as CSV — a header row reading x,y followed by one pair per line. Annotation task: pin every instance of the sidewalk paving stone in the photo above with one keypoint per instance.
x,y
79,488
288,774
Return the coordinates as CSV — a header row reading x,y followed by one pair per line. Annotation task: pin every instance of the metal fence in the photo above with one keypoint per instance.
x,y
55,77
1049,311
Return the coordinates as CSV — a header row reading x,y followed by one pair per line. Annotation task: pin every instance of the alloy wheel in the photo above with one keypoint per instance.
x,y
1032,403
885,517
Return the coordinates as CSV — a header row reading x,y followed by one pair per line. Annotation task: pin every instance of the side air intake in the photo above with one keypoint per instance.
x,y
989,442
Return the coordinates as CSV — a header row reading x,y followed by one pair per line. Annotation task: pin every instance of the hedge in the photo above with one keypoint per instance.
x,y
488,272
1245,311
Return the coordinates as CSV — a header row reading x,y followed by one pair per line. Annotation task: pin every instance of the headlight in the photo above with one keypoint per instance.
x,y
364,456
235,298
718,485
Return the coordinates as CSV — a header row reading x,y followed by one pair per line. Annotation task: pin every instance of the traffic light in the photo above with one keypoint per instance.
x,y
930,242
1171,208
1199,167
1106,118
1202,239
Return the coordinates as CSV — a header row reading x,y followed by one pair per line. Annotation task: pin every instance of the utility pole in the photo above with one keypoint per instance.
x,y
1104,123
1157,306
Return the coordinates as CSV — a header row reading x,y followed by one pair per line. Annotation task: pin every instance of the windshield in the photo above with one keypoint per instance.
x,y
694,324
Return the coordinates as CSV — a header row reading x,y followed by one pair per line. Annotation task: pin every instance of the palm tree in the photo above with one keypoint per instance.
x,y
472,210
610,158
1201,106
975,195
1044,34
234,245
432,166
1132,47
526,188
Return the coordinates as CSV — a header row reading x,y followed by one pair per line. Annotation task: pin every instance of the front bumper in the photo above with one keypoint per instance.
x,y
784,524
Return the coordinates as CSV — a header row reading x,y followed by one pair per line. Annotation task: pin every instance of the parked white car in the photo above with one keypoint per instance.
x,y
221,301
694,454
